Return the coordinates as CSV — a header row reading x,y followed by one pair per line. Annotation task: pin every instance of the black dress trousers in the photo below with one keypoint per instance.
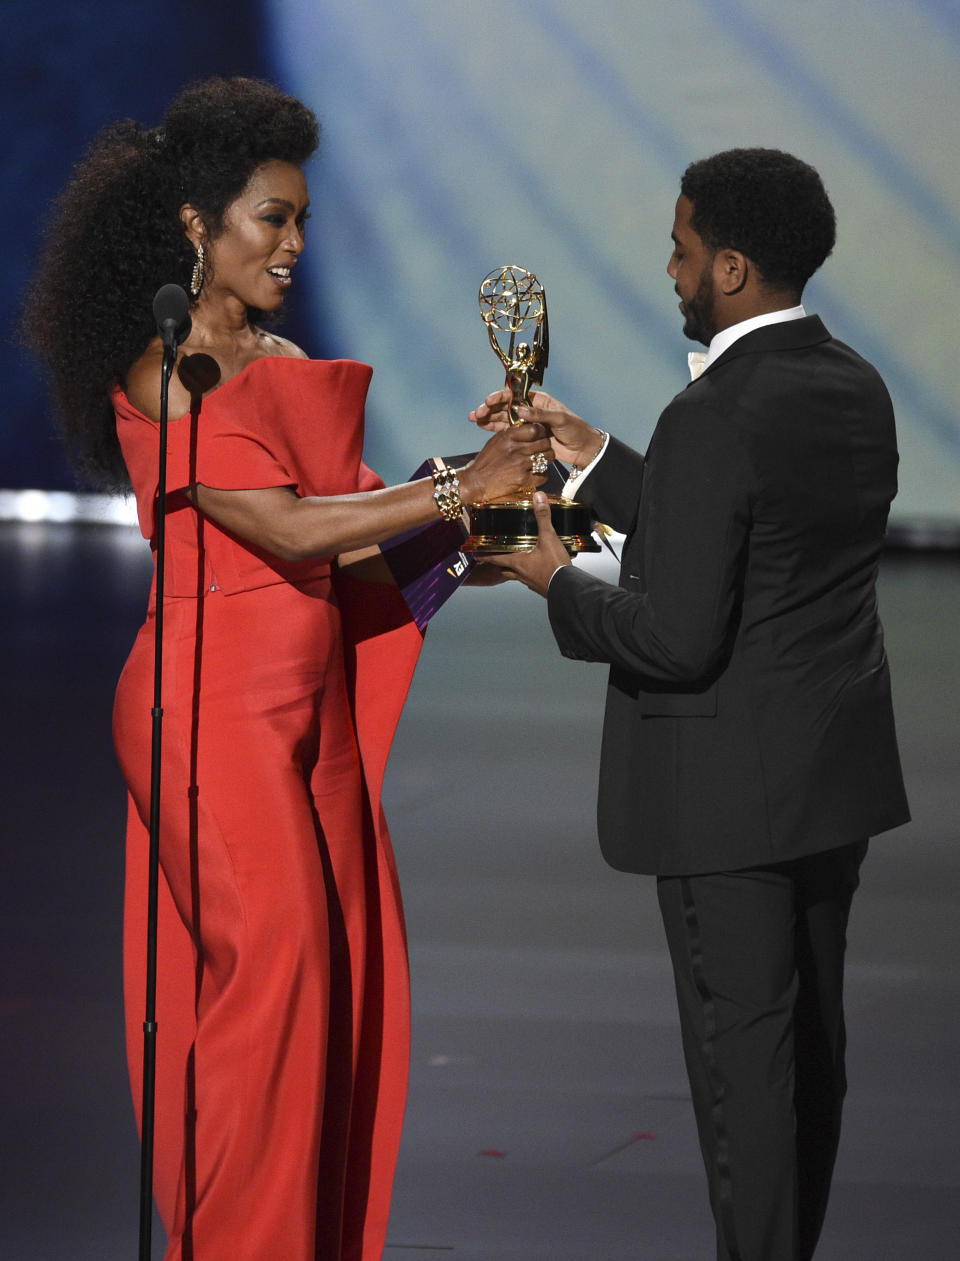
x,y
758,962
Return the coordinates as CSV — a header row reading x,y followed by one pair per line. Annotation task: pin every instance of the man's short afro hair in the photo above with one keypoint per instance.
x,y
768,205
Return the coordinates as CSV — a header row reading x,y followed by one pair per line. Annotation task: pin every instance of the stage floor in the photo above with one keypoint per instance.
x,y
549,1117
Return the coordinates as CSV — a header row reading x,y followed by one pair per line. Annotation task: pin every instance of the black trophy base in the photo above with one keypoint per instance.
x,y
512,527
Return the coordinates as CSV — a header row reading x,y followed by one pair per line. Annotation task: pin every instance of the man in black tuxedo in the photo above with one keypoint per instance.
x,y
749,748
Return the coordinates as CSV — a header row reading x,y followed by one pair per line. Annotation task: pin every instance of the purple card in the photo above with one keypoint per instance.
x,y
427,563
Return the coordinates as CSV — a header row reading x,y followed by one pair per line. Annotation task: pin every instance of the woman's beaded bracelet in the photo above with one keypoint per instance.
x,y
446,493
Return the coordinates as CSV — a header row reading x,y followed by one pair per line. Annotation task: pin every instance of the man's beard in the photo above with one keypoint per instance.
x,y
698,323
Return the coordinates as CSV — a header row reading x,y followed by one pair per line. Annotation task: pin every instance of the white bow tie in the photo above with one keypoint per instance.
x,y
696,362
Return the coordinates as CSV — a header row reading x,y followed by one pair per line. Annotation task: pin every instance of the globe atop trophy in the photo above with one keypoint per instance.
x,y
513,306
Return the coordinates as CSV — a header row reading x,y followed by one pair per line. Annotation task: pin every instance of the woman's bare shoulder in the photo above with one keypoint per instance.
x,y
142,384
196,374
273,344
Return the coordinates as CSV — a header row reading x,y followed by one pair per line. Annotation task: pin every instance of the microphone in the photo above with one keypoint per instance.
x,y
171,310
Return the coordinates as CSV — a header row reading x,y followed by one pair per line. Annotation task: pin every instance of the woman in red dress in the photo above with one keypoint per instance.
x,y
282,998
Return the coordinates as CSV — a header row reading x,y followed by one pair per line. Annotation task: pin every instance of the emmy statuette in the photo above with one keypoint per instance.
x,y
512,302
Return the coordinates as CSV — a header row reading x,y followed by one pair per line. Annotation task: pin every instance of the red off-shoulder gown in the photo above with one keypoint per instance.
x,y
283,993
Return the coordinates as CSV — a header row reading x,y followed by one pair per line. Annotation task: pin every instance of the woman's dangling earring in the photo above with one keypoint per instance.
x,y
196,280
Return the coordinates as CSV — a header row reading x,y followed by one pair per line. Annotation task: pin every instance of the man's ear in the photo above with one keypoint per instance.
x,y
731,270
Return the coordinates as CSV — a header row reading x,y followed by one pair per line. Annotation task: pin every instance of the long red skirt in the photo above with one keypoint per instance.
x,y
283,991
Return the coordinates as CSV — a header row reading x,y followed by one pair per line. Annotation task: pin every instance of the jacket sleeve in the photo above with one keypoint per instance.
x,y
612,487
672,617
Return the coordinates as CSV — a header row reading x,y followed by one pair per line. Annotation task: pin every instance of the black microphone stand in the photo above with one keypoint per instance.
x,y
171,311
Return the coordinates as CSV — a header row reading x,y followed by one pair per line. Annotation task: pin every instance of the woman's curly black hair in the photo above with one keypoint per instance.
x,y
116,237
768,205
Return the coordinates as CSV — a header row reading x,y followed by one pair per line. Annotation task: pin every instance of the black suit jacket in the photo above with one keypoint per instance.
x,y
748,713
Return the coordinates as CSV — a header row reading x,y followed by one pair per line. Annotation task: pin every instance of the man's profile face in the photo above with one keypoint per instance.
x,y
691,270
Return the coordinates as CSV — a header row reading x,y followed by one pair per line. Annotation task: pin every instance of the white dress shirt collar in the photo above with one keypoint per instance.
x,y
698,361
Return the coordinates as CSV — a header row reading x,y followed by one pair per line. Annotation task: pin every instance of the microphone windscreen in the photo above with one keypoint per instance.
x,y
171,307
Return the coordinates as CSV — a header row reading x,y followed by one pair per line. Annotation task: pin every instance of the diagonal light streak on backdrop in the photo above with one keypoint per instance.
x,y
436,200
822,102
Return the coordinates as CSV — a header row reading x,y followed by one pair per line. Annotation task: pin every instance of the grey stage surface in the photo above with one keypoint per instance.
x,y
548,1116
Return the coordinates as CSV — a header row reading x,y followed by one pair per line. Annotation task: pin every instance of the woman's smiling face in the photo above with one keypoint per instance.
x,y
252,259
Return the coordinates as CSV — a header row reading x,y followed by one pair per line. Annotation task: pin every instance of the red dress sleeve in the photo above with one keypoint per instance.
x,y
216,451
280,422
